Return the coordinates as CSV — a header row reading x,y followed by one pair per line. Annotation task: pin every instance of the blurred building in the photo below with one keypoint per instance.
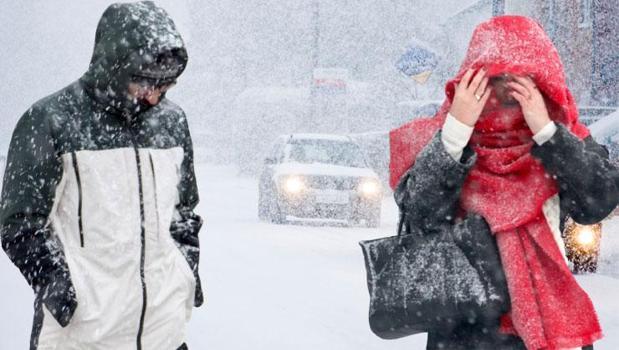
x,y
584,31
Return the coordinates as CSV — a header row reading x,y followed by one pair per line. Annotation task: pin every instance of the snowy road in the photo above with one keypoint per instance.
x,y
300,287
296,287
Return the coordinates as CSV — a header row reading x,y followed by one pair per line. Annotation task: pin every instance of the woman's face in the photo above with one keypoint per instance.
x,y
502,91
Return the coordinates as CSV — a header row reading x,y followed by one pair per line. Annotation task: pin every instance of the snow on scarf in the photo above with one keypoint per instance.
x,y
508,186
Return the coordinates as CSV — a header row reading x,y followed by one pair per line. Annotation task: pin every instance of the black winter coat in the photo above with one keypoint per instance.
x,y
429,193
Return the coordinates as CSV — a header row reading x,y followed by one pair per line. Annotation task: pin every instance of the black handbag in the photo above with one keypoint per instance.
x,y
434,281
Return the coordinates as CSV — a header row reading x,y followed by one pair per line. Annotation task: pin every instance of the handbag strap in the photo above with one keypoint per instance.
x,y
404,225
401,223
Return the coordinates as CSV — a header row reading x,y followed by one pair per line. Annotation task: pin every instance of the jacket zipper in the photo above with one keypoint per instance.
x,y
142,239
79,200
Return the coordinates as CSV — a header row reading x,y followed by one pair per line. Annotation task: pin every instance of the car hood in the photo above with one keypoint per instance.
x,y
322,169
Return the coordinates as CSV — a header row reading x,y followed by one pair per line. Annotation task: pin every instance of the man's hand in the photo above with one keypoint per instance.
x,y
470,98
531,101
59,298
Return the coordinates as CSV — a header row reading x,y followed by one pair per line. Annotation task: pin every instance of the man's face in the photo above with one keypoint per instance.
x,y
148,91
502,90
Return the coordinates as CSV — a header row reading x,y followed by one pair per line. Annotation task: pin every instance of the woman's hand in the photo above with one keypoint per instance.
x,y
531,101
470,97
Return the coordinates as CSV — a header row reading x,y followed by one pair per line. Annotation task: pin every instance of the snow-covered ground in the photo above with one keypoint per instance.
x,y
288,286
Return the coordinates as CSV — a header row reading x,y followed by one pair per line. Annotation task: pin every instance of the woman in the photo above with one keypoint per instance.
x,y
507,145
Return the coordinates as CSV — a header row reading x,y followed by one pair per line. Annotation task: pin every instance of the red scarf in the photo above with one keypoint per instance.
x,y
508,186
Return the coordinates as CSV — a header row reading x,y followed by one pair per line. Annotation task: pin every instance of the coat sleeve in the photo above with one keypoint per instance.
x,y
429,191
186,224
32,172
588,182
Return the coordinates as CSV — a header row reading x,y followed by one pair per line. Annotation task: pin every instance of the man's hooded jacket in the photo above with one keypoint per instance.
x,y
98,197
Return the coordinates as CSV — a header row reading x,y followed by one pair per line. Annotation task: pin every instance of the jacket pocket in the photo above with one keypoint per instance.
x,y
105,209
108,294
186,262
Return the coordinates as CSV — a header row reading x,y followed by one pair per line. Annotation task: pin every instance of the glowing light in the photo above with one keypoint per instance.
x,y
294,185
585,236
369,187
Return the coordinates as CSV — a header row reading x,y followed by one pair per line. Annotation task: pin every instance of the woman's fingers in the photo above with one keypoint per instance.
x,y
523,90
519,97
482,87
471,95
485,96
479,76
466,78
526,82
533,108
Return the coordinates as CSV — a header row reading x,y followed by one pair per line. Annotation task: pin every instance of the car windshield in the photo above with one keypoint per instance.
x,y
326,152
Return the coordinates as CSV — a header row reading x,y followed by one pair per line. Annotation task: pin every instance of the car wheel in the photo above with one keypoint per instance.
x,y
268,209
585,264
272,211
277,214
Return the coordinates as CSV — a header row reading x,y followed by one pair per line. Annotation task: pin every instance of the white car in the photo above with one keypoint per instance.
x,y
317,176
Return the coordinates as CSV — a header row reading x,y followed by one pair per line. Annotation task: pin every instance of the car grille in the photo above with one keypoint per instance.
x,y
332,182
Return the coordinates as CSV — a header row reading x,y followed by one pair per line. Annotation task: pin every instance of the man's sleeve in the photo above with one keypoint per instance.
x,y
186,223
32,172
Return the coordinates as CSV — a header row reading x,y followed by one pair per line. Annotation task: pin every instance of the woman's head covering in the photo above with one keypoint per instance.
x,y
506,44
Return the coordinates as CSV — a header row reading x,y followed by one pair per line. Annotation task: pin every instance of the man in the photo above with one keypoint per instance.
x,y
507,145
98,196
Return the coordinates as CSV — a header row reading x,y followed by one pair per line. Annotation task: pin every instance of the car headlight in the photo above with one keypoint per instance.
x,y
294,184
369,187
585,236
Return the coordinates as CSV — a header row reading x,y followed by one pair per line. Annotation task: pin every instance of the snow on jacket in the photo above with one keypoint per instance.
x,y
98,198
535,178
429,193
